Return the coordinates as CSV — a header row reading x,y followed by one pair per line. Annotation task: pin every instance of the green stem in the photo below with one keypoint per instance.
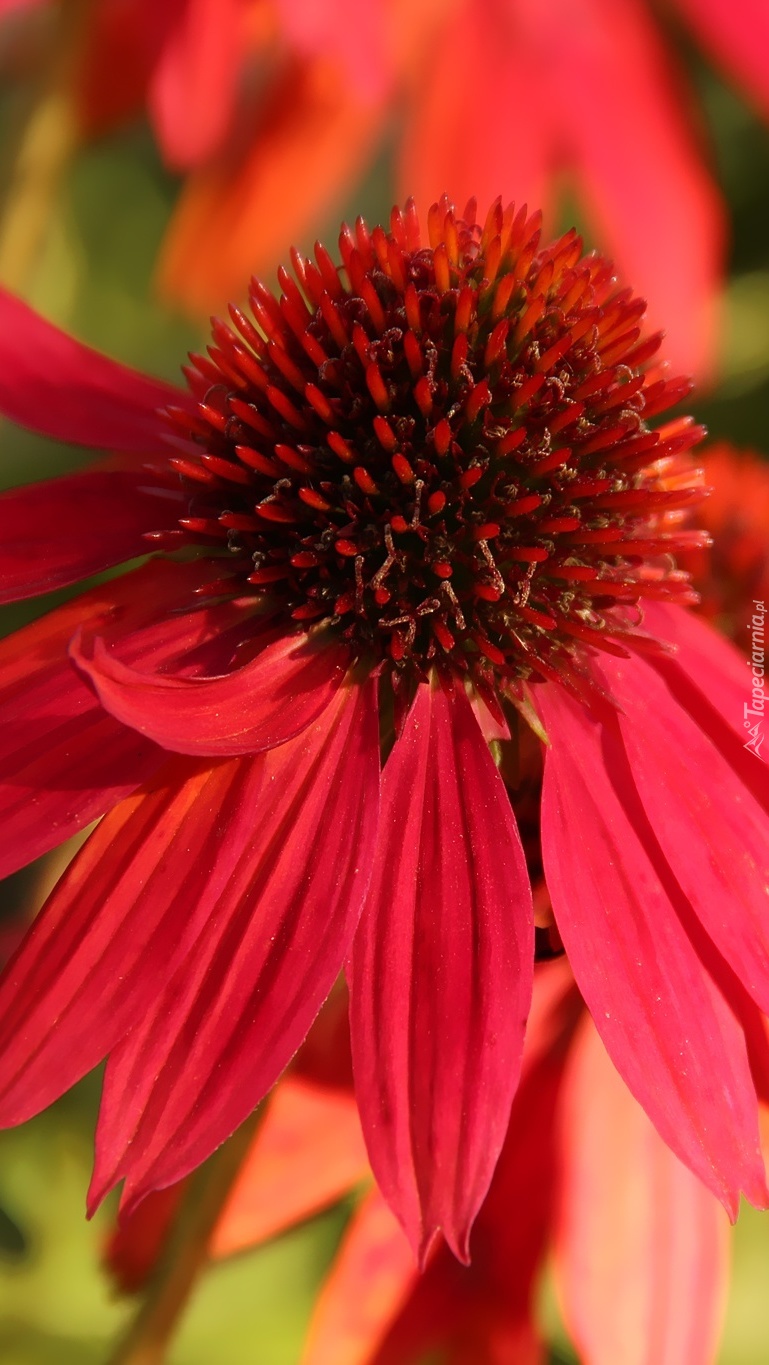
x,y
184,1256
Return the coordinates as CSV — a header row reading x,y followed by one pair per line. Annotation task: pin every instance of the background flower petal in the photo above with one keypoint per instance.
x,y
641,1245
193,87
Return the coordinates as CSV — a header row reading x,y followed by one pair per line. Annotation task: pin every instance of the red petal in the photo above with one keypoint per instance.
x,y
265,931
666,1027
53,384
81,974
710,678
63,760
194,85
308,1152
372,1274
61,530
264,703
642,1246
441,973
713,834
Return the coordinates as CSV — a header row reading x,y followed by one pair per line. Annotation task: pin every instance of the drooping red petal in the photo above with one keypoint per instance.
x,y
63,760
55,385
308,1151
267,701
262,940
194,84
441,973
62,530
641,1245
713,834
737,38
372,1275
665,1025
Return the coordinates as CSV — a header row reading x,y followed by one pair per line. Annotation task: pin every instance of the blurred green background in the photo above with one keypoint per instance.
x,y
94,277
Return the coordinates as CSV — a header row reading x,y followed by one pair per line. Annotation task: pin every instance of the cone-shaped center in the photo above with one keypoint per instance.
x,y
444,451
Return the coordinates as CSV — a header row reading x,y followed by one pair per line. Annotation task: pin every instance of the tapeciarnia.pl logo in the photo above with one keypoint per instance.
x,y
753,711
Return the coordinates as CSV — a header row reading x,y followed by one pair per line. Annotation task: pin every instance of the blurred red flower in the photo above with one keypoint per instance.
x,y
418,508
275,107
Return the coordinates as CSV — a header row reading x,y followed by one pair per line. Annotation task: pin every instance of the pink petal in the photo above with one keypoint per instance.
x,y
666,1027
267,701
55,385
441,973
642,1246
713,834
62,530
63,760
372,1274
611,86
262,941
195,82
737,37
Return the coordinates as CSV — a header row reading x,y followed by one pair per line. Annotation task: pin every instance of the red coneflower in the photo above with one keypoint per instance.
x,y
414,507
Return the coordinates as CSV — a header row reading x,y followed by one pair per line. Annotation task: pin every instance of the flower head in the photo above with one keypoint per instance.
x,y
412,510
448,460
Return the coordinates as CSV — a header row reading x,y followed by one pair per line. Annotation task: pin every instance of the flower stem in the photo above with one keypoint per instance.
x,y
185,1254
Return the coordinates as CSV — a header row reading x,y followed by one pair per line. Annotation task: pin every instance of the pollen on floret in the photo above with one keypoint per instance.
x,y
443,452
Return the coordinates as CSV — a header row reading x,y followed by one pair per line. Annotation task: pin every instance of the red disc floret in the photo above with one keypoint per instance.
x,y
443,452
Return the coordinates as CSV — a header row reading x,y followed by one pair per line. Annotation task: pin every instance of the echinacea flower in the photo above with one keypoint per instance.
x,y
413,509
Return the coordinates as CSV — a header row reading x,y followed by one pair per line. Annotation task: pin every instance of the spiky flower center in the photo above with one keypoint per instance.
x,y
443,452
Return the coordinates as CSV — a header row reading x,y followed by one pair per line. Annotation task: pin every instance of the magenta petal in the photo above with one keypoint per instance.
x,y
441,973
267,701
263,938
53,384
713,834
61,530
667,1028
